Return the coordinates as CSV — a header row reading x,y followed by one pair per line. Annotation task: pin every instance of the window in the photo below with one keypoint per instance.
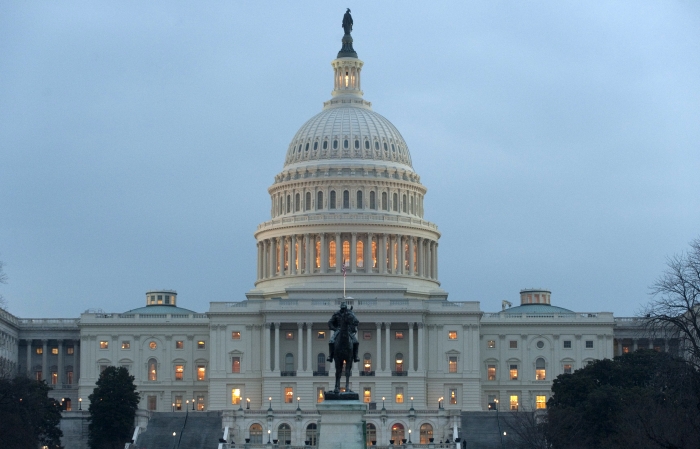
x,y
318,254
102,368
540,344
491,372
359,200
54,351
567,368
38,376
491,344
399,362
284,433
235,396
384,201
235,364
452,364
372,200
152,401
153,345
69,377
346,253
103,345
54,377
152,369
541,402
332,205
360,254
200,403
289,335
513,344
567,344
625,349
70,350
513,372
201,344
399,395
236,335
255,431
179,344
367,394
589,344
312,434
288,395
404,209
319,394
307,201
540,372
395,205
297,203
178,402
426,433
321,335
514,402
331,254
126,345
397,431
201,372
319,201
289,362
453,396
367,362
179,372
321,363
345,143
367,335
398,335
452,335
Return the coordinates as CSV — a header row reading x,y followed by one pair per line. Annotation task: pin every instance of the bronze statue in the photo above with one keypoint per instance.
x,y
343,344
347,22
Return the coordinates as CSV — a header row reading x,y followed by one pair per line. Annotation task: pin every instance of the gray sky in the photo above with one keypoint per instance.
x,y
558,141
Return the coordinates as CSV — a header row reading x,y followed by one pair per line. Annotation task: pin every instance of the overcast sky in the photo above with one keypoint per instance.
x,y
559,141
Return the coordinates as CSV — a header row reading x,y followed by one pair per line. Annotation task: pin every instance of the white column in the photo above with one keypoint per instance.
x,y
369,262
419,257
281,242
29,358
353,253
338,252
420,347
273,257
60,379
410,347
436,261
392,250
383,253
268,346
44,363
388,348
309,356
277,347
300,346
76,361
307,253
378,359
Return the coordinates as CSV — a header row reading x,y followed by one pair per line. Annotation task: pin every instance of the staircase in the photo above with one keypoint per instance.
x,y
481,430
196,430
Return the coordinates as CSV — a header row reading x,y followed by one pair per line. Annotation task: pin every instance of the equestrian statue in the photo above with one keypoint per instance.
x,y
343,344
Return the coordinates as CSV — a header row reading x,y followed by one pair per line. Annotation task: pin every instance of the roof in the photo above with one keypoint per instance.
x,y
538,309
161,309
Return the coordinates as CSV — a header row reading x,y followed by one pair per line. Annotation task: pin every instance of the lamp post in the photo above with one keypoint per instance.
x,y
174,433
247,403
268,436
173,407
187,406
442,398
499,423
192,404
411,402
298,399
383,398
270,399
409,436
80,403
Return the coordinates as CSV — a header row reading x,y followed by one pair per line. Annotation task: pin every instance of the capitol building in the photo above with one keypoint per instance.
x,y
346,223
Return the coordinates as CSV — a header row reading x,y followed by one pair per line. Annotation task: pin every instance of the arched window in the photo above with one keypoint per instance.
x,y
307,202
325,144
366,144
405,256
286,256
279,205
255,432
346,253
311,434
321,363
289,204
411,205
359,199
346,199
367,362
399,362
376,145
315,146
371,435
335,144
396,203
289,362
372,200
345,143
540,370
306,148
297,203
331,254
67,405
332,205
426,433
384,202
357,144
360,254
152,369
319,201
284,434
404,208
397,433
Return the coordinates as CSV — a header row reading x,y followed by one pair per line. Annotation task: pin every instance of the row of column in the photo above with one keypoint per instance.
x,y
60,366
636,345
311,253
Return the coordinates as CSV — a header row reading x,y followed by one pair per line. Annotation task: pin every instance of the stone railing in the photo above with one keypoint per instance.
x,y
367,217
360,305
68,323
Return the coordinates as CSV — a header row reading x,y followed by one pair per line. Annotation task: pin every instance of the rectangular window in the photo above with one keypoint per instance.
x,y
398,335
453,396
235,396
452,335
200,403
491,372
201,372
319,394
236,365
179,372
541,401
104,345
289,335
178,402
69,377
625,349
38,376
179,344
567,344
589,344
201,344
567,369
39,350
367,394
514,402
513,372
54,351
399,395
152,403
236,335
513,344
491,344
367,335
452,364
321,336
54,377
126,345
288,395
70,350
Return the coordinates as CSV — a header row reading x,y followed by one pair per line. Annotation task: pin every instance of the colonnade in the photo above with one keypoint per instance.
x,y
632,344
327,252
60,371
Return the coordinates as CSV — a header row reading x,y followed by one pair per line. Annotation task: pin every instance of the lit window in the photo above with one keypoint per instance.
x,y
236,365
179,344
289,335
567,344
453,364
54,351
367,362
126,345
513,344
367,394
541,401
491,372
398,335
589,344
70,350
319,394
201,372
179,371
452,335
288,395
453,396
103,345
153,345
567,369
360,252
513,372
514,402
200,403
236,335
399,395
54,377
625,349
201,344
331,254
152,369
321,335
178,402
367,335
399,362
540,372
236,396
491,344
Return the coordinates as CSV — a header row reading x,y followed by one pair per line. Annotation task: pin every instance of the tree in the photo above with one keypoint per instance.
x,y
3,280
675,307
28,417
112,409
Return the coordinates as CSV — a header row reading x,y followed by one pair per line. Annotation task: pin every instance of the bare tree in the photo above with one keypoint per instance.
x,y
3,280
675,307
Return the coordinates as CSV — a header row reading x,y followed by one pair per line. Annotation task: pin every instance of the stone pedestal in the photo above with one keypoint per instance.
x,y
341,424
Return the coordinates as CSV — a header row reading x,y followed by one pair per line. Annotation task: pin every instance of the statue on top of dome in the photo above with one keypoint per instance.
x,y
347,22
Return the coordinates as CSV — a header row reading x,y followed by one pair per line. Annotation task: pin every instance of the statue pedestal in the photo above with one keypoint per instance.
x,y
341,424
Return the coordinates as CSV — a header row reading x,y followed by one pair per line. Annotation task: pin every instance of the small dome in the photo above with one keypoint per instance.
x,y
348,132
538,309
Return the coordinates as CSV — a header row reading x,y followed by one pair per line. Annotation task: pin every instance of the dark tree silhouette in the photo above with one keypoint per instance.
x,y
113,405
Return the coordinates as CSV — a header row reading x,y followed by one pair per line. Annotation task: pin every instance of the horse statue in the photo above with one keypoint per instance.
x,y
343,345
